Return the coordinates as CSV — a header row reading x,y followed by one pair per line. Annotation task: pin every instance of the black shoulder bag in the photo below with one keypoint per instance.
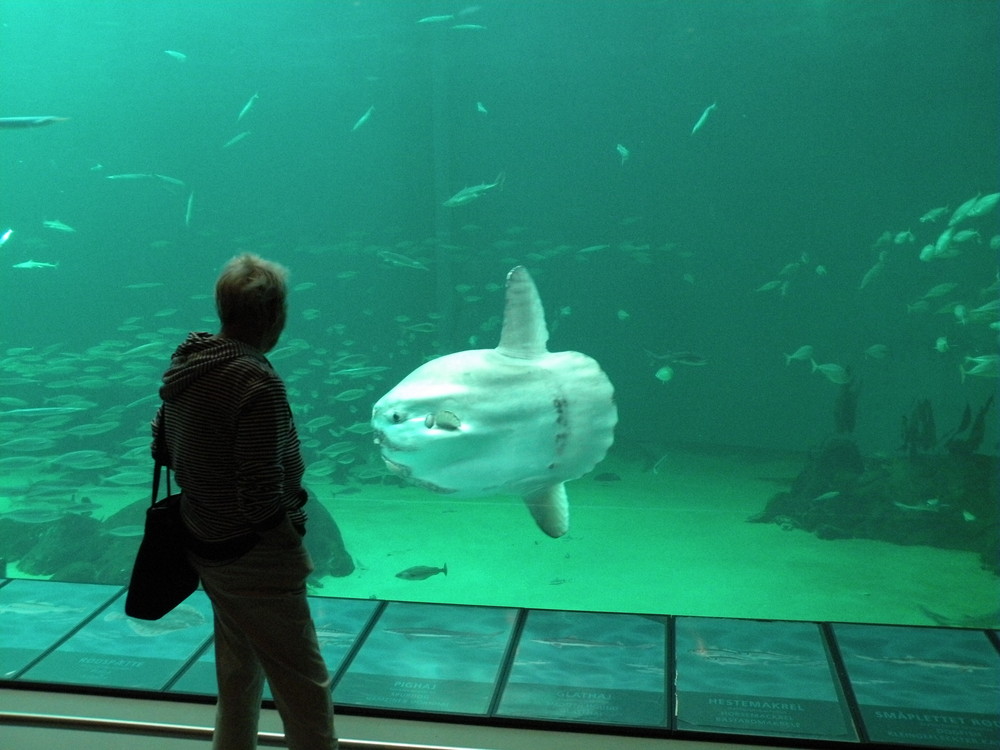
x,y
162,577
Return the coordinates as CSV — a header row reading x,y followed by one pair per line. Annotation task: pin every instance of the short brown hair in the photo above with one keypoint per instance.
x,y
248,290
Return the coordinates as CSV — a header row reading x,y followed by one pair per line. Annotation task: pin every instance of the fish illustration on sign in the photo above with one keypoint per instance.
x,y
517,419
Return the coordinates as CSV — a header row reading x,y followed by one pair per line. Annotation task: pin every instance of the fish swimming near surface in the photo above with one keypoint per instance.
x,y
517,419
421,572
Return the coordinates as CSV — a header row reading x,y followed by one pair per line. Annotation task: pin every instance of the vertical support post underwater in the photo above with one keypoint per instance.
x,y
442,215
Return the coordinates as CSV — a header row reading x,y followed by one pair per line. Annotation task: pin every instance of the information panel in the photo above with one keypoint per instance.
x,y
429,657
36,615
589,666
757,677
924,686
115,650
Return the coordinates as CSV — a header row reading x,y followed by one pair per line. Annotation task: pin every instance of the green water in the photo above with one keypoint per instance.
x,y
834,124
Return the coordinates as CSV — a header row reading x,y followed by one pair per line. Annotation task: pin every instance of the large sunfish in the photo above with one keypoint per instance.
x,y
517,419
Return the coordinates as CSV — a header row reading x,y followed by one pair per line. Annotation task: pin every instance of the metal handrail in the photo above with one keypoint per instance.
x,y
179,731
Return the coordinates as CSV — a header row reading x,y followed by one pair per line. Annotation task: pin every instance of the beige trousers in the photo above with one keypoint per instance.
x,y
263,627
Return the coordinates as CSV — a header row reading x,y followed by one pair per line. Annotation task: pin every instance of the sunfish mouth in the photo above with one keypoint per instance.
x,y
396,468
406,473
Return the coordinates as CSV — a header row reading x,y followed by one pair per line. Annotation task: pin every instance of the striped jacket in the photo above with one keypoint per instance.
x,y
231,442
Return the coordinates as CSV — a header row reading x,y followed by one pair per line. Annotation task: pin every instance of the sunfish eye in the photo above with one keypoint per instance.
x,y
396,417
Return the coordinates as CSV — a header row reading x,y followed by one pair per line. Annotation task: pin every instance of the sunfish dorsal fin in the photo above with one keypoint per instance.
x,y
550,509
524,334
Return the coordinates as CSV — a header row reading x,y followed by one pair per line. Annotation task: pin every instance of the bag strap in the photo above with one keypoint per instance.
x,y
160,449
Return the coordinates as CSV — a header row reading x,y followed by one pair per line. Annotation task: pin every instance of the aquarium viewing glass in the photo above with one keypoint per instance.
x,y
773,226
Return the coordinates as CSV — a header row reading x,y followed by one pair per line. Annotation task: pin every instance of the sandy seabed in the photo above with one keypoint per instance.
x,y
675,541
671,542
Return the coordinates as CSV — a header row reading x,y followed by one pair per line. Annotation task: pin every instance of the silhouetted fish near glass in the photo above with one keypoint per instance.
x,y
420,572
607,476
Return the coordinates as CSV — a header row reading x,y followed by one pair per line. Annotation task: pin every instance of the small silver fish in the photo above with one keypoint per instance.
x,y
58,226
167,178
364,118
803,353
30,122
704,118
247,106
984,205
664,374
831,495
421,572
421,328
934,214
236,139
400,261
436,19
467,194
352,394
832,372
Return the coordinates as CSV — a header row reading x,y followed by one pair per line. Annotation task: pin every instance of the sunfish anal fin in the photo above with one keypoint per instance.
x,y
524,334
550,509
